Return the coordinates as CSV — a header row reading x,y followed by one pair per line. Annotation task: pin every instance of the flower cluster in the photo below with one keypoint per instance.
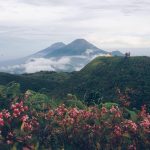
x,y
145,121
115,110
18,108
4,115
129,124
104,110
61,110
92,127
117,130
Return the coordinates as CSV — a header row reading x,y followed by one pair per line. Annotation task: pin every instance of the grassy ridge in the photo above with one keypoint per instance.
x,y
103,75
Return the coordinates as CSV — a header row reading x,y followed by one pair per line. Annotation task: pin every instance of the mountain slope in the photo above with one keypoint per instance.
x,y
48,50
103,75
37,81
106,75
77,47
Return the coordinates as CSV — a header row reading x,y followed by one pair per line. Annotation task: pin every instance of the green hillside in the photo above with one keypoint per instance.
x,y
105,75
100,80
36,81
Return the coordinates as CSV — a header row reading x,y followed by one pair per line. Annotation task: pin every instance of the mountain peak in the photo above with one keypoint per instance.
x,y
80,41
57,45
75,48
49,49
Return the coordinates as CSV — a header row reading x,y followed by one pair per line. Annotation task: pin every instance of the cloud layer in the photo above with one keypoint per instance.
x,y
66,63
38,64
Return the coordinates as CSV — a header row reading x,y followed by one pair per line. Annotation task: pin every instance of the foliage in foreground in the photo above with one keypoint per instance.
x,y
91,128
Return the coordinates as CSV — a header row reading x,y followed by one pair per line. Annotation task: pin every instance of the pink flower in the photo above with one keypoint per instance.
x,y
104,110
1,122
27,126
16,112
17,105
24,118
21,104
130,124
61,110
116,111
146,124
1,115
26,108
85,114
73,112
18,108
67,121
113,109
13,106
117,130
118,114
1,119
7,115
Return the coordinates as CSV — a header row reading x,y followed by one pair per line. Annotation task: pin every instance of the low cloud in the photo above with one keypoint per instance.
x,y
67,63
42,64
38,64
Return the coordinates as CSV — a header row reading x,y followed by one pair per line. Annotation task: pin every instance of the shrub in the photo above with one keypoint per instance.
x,y
73,128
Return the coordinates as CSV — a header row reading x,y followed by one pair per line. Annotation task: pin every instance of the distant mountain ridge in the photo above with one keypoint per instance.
x,y
48,50
77,47
58,57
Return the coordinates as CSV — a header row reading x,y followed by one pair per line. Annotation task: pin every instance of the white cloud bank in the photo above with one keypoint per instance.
x,y
42,64
38,64
66,63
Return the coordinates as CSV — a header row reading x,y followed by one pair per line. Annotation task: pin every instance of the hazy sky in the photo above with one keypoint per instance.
x,y
27,26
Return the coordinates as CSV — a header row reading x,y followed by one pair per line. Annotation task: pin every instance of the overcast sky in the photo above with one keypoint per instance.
x,y
27,26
